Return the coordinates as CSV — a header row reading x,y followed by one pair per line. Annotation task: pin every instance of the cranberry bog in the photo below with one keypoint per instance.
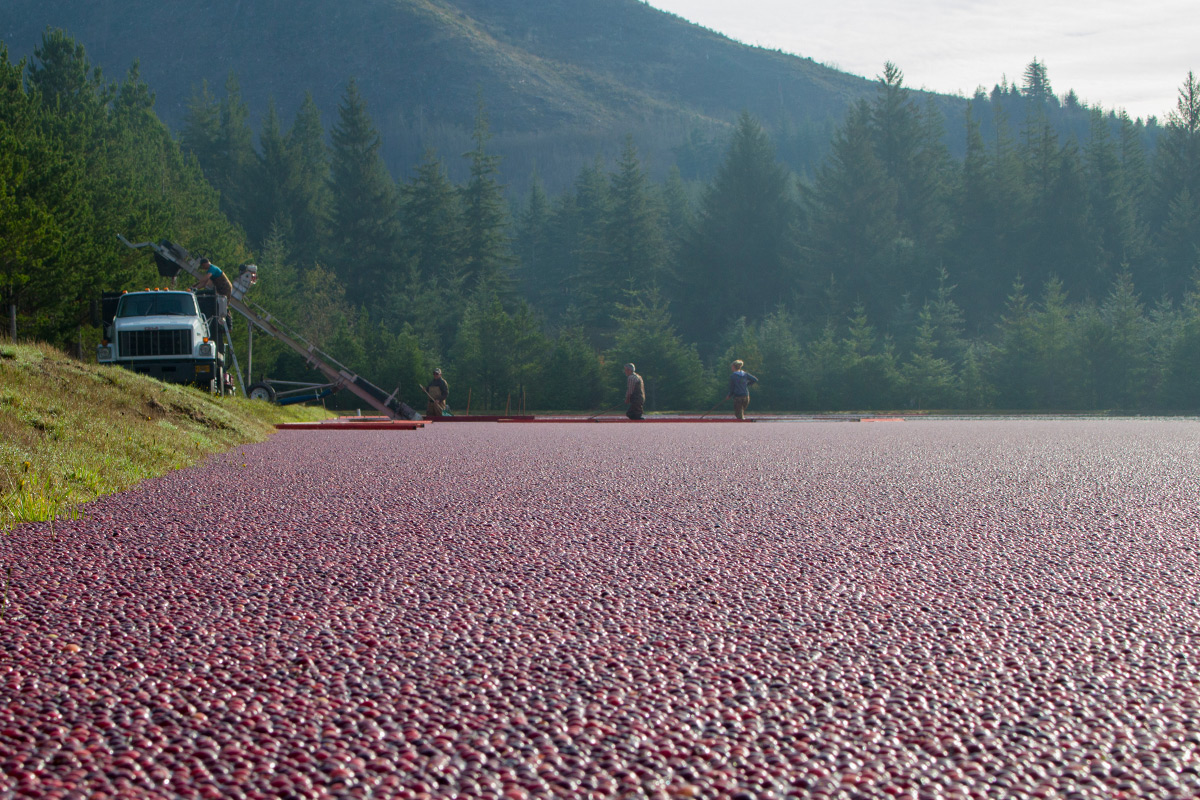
x,y
918,609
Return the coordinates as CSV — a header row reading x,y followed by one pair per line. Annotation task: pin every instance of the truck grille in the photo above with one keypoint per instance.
x,y
132,344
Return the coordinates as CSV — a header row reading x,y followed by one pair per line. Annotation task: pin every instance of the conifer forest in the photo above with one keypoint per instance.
x,y
1048,262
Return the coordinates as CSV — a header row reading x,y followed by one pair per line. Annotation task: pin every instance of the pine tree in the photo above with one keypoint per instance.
x,y
533,243
28,229
1114,209
583,232
1011,368
235,171
1057,373
973,251
637,254
1177,191
433,233
364,206
487,251
201,134
1069,237
869,376
928,379
908,144
672,370
1119,349
497,354
741,257
269,213
308,187
1037,83
781,384
574,377
855,229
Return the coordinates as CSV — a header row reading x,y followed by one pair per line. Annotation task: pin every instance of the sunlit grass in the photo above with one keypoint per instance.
x,y
71,432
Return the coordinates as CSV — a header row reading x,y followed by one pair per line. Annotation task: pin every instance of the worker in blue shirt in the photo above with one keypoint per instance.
x,y
739,388
214,276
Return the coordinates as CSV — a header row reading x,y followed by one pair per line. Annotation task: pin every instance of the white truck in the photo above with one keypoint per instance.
x,y
171,259
170,335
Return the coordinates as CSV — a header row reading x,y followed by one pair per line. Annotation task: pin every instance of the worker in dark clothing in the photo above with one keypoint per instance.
x,y
438,392
635,392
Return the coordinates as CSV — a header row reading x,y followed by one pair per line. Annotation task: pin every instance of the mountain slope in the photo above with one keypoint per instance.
x,y
562,80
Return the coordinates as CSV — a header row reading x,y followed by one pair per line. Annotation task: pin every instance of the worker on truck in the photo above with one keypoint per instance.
x,y
213,276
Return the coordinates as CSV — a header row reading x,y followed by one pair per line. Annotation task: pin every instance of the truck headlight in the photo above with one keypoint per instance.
x,y
104,352
206,350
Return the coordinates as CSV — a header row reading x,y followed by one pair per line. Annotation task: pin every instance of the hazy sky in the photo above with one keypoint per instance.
x,y
1113,53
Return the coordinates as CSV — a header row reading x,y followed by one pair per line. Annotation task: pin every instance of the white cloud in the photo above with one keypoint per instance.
x,y
1113,53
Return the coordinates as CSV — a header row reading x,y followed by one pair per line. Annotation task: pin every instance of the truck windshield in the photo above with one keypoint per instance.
x,y
175,304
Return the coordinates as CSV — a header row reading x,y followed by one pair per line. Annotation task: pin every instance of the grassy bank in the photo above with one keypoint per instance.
x,y
71,432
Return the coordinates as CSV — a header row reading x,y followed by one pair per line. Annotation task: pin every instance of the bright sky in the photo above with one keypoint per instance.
x,y
1130,54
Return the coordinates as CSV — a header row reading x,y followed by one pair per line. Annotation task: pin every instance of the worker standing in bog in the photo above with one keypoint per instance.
x,y
438,392
635,392
739,388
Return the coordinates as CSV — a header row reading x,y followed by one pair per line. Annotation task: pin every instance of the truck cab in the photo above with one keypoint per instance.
x,y
170,335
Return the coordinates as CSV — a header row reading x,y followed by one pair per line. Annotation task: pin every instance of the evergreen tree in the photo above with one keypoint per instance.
x,y
869,375
430,295
218,134
781,384
486,250
974,251
201,134
270,212
637,254
364,206
1176,190
498,355
1069,238
908,144
740,258
928,379
1010,203
1116,348
822,367
433,229
1113,206
1014,360
29,232
1037,83
1057,372
672,370
532,243
1181,379
574,376
855,230
308,188
582,235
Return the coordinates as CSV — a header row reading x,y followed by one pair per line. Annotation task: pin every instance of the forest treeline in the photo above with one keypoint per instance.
x,y
1045,269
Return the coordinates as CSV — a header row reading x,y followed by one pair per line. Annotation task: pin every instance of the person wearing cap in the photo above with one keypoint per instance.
x,y
635,392
438,392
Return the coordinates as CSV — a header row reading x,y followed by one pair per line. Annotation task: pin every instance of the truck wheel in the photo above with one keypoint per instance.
x,y
261,391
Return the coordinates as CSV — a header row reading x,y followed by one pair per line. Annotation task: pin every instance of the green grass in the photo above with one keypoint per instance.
x,y
71,432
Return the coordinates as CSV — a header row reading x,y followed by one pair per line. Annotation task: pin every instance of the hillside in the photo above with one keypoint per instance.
x,y
562,80
71,432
